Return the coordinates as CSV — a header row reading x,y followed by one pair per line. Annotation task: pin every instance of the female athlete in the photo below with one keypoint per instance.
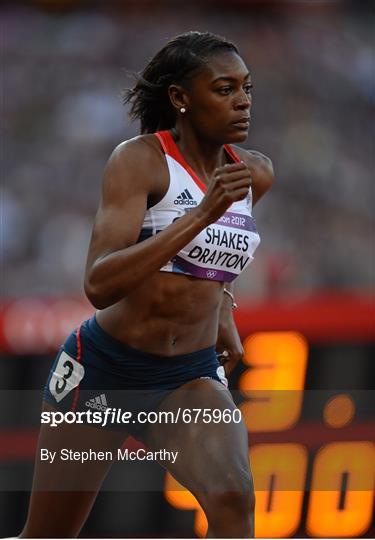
x,y
173,230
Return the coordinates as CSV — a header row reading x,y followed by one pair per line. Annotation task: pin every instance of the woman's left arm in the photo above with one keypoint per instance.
x,y
262,174
229,346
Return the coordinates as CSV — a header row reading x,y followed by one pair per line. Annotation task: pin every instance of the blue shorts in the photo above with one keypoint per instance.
x,y
93,371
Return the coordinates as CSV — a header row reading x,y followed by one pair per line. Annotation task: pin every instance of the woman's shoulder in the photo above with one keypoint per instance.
x,y
254,159
139,158
261,169
142,150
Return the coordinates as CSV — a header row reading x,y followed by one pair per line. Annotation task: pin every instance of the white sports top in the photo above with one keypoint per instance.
x,y
221,251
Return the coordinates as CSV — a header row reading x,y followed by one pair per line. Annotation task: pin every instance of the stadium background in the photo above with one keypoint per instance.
x,y
313,114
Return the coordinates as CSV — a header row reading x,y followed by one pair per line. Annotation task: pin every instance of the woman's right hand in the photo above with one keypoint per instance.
x,y
229,184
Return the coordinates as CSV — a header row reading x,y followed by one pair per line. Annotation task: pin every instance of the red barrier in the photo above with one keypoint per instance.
x,y
39,325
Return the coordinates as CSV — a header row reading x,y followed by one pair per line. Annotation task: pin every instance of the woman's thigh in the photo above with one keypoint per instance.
x,y
212,456
64,490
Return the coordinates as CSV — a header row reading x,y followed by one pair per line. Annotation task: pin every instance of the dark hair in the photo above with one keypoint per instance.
x,y
175,63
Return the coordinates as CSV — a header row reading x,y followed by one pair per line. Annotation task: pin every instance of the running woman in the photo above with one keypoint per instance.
x,y
173,230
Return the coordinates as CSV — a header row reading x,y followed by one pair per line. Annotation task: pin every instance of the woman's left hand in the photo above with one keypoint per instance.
x,y
228,347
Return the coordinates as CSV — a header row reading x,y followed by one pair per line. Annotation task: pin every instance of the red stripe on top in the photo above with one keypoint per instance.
x,y
170,147
79,352
159,135
229,150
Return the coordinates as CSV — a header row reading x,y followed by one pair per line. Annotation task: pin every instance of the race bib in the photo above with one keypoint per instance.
x,y
67,375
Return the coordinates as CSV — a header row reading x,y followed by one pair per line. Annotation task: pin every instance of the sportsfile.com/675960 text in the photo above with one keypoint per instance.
x,y
118,416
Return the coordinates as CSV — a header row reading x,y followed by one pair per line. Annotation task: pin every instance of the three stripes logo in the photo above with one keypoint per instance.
x,y
186,198
99,403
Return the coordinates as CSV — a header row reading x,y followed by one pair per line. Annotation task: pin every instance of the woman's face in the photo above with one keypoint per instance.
x,y
220,99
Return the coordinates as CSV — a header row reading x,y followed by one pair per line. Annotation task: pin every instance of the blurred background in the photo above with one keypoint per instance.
x,y
313,70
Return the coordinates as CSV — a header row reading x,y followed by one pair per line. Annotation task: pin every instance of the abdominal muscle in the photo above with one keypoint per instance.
x,y
170,314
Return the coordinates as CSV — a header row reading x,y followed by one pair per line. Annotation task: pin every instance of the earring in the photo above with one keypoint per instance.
x,y
182,110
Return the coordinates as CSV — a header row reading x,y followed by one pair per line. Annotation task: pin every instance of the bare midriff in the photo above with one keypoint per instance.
x,y
171,314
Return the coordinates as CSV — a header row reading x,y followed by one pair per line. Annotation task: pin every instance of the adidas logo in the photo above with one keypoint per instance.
x,y
99,403
185,198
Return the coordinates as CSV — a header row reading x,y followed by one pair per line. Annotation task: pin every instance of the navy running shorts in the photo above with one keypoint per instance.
x,y
94,371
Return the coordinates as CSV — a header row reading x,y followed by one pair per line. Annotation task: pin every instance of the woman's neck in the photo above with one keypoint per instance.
x,y
202,156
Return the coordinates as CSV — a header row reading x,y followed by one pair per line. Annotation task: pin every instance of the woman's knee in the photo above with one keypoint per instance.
x,y
233,493
231,514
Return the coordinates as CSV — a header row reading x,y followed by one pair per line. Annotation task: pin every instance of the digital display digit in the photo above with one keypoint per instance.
x,y
341,497
275,382
279,472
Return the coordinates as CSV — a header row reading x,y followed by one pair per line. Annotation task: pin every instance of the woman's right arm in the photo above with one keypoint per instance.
x,y
116,264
